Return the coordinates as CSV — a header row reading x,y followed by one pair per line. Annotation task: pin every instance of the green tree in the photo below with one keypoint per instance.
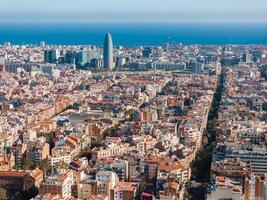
x,y
61,165
141,188
110,132
44,165
86,152
29,194
264,106
212,123
26,164
50,139
3,194
129,113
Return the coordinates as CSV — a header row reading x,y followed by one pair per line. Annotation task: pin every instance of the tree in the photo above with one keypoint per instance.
x,y
26,164
187,194
140,189
264,106
50,139
3,194
86,152
110,132
29,194
129,112
61,165
44,165
212,123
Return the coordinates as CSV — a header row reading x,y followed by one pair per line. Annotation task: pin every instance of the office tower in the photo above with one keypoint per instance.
x,y
71,57
82,57
42,44
195,66
2,64
7,44
120,62
46,56
108,52
47,69
92,54
51,56
247,57
218,69
96,63
147,52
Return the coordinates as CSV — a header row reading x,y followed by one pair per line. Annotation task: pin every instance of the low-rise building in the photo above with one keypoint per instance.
x,y
59,183
20,180
124,191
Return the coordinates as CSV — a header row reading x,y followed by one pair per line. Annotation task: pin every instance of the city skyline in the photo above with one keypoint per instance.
x,y
133,100
161,117
207,11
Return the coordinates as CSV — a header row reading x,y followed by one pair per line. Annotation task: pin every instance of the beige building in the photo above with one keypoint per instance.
x,y
106,180
60,183
60,154
255,188
39,150
124,191
20,180
7,161
87,189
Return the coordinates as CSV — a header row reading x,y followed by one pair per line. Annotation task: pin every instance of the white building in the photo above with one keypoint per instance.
x,y
106,180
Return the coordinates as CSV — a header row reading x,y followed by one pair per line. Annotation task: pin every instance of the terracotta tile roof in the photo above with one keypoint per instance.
x,y
158,160
4,136
168,167
126,186
13,174
106,160
70,140
175,185
36,173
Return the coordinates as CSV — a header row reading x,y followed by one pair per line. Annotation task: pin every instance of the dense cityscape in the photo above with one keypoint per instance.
x,y
169,122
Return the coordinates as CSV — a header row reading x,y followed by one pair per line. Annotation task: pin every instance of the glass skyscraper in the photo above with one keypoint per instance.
x,y
108,52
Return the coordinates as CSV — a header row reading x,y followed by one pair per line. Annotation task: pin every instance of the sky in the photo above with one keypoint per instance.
x,y
108,11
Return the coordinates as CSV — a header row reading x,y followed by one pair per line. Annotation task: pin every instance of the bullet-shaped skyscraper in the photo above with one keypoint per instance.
x,y
108,52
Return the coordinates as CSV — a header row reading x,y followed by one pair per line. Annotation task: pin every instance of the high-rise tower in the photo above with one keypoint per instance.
x,y
108,52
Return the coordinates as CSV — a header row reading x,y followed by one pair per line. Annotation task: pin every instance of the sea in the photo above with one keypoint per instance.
x,y
133,34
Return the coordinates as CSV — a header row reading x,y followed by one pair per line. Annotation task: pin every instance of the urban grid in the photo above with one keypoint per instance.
x,y
169,122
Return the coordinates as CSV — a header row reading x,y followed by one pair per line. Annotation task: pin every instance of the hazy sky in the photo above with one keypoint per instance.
x,y
133,11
